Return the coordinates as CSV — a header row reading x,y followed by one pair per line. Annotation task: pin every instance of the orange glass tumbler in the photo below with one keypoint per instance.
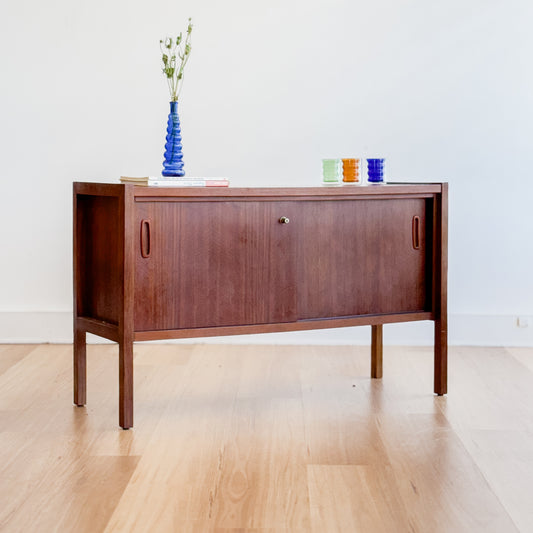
x,y
350,170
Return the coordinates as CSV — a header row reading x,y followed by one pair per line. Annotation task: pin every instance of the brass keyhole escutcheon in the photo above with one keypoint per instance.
x,y
284,220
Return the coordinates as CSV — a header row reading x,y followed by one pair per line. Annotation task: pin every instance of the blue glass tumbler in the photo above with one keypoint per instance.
x,y
375,170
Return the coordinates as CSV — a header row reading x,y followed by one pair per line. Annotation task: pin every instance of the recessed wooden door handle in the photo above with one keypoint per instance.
x,y
146,244
416,232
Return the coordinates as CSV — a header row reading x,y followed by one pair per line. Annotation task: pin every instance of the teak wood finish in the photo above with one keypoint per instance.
x,y
152,263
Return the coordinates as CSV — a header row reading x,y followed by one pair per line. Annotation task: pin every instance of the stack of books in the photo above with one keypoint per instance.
x,y
151,181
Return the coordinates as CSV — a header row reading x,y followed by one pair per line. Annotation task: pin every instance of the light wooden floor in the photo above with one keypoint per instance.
x,y
267,439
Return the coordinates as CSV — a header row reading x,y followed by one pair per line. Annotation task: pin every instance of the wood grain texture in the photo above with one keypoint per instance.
x,y
11,354
98,257
357,258
333,490
201,262
392,189
268,438
127,245
431,465
79,367
300,325
376,352
440,272
217,264
97,327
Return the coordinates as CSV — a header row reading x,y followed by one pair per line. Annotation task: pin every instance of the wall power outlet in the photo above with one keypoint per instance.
x,y
522,321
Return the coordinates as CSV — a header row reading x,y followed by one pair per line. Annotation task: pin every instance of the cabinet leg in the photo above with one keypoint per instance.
x,y
441,358
126,384
377,352
80,367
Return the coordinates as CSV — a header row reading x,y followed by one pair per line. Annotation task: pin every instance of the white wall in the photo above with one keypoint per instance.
x,y
443,89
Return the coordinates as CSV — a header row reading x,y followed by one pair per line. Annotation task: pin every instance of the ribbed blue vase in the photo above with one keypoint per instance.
x,y
173,163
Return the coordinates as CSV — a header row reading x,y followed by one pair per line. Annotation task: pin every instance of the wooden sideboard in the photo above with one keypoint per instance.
x,y
165,263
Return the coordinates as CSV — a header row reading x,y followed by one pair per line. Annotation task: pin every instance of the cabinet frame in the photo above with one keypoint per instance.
x,y
106,238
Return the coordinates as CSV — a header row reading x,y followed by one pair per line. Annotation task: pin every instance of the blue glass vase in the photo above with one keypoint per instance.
x,y
173,163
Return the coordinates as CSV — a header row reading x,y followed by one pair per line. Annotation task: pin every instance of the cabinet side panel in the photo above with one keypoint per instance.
x,y
98,256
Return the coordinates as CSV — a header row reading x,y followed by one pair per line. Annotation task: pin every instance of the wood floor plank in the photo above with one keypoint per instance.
x,y
441,486
270,371
263,479
336,407
497,389
267,439
265,447
523,354
506,460
353,499
76,495
32,369
11,354
341,401
43,433
157,368
491,412
217,447
176,476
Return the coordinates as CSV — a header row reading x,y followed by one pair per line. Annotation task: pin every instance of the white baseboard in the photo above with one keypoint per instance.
x,y
465,330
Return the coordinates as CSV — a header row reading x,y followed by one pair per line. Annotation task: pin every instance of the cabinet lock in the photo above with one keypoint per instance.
x,y
284,220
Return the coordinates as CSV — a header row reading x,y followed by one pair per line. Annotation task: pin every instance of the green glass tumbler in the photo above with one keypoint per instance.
x,y
331,170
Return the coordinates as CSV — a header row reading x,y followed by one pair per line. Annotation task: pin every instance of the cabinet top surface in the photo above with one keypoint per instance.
x,y
388,189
